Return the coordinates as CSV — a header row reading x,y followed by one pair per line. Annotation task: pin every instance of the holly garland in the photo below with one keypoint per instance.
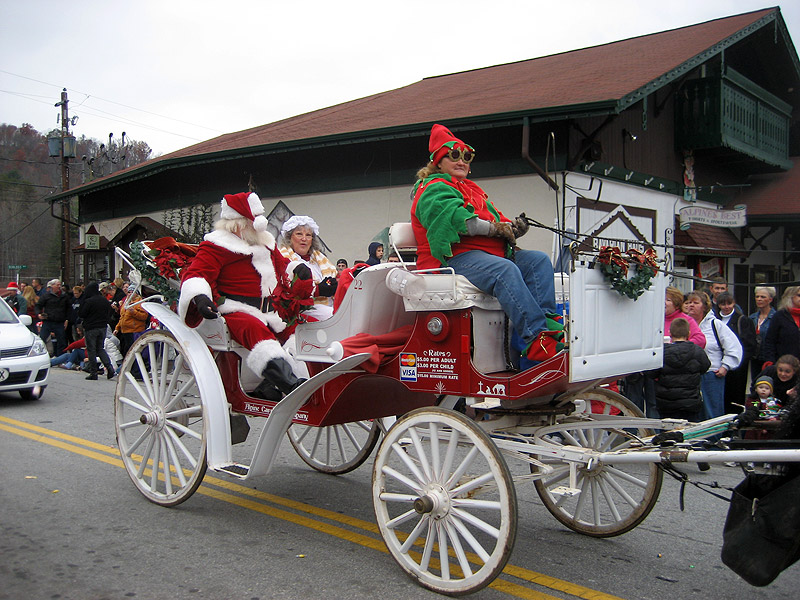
x,y
615,268
153,276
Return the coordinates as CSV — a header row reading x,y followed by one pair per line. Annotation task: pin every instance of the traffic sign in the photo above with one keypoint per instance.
x,y
17,267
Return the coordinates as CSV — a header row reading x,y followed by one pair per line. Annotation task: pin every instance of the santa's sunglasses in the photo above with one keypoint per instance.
x,y
456,154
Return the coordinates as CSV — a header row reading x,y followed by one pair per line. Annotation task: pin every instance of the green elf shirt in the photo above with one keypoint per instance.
x,y
439,214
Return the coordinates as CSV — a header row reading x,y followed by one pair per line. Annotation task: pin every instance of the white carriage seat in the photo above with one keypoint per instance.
x,y
368,307
433,289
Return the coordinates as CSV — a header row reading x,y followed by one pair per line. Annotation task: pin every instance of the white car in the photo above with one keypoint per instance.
x,y
24,361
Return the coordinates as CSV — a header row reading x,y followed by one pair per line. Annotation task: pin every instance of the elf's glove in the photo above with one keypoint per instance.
x,y
206,308
520,226
503,230
327,287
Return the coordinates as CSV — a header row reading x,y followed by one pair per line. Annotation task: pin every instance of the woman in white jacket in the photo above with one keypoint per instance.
x,y
722,347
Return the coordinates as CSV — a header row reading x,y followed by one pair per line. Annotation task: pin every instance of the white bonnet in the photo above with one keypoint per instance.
x,y
296,221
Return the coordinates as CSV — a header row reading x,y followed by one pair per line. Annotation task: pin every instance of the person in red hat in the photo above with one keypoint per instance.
x,y
239,272
15,299
457,226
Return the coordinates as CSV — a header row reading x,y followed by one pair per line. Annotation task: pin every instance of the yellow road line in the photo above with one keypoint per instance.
x,y
110,455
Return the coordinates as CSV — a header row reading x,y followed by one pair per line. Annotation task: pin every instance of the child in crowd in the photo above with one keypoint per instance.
x,y
678,381
785,376
769,405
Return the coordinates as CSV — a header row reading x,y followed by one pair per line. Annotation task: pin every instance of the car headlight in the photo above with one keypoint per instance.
x,y
38,348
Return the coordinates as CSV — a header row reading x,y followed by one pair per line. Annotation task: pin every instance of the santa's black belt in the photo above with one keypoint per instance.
x,y
254,301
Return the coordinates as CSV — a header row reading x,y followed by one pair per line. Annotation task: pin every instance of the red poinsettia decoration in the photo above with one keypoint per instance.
x,y
171,256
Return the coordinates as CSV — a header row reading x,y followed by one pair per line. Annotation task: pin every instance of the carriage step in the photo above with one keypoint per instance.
x,y
565,491
235,470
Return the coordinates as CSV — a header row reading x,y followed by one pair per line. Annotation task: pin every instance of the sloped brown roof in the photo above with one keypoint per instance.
x,y
597,74
775,195
610,76
705,240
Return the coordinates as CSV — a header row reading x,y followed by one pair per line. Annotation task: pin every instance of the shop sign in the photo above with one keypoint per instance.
x,y
736,217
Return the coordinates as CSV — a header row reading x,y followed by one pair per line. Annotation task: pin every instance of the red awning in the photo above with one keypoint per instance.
x,y
705,240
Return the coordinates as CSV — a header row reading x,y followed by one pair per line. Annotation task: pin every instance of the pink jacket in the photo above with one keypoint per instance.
x,y
695,335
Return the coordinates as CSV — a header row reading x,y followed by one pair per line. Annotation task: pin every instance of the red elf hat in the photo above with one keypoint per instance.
x,y
442,141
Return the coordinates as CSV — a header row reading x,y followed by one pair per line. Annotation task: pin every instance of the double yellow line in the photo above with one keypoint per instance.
x,y
357,531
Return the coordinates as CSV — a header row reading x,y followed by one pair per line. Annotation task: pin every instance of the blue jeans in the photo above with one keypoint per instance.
x,y
713,389
524,287
74,357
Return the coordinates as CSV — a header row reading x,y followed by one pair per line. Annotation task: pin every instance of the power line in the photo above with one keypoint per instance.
x,y
114,102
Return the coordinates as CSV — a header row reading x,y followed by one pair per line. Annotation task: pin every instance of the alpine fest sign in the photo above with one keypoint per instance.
x,y
737,217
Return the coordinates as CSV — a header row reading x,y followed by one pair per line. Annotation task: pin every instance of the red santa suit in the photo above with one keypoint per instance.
x,y
241,280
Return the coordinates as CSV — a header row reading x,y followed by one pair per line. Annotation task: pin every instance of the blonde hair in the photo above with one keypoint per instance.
x,y
29,294
786,299
428,170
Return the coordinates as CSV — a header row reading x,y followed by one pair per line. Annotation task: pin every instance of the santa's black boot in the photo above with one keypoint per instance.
x,y
278,372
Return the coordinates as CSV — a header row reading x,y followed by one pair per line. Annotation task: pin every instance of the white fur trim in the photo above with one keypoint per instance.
x,y
194,286
260,223
262,353
260,256
256,207
270,319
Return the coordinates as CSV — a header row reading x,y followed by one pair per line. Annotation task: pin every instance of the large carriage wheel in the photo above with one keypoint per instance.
x,y
160,420
613,499
335,449
444,501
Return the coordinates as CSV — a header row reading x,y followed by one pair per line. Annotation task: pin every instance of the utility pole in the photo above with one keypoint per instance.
x,y
65,203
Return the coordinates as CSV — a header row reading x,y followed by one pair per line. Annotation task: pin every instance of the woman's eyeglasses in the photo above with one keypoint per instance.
x,y
456,154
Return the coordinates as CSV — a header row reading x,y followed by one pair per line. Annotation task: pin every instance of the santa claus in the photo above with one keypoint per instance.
x,y
239,272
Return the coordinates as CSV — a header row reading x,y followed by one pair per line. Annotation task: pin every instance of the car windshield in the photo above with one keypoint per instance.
x,y
6,314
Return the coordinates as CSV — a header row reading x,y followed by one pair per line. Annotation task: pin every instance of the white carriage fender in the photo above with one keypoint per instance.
x,y
209,384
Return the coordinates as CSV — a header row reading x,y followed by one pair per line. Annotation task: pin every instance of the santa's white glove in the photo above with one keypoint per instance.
x,y
206,308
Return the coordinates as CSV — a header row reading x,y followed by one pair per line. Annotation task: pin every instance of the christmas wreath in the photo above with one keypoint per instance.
x,y
615,268
160,263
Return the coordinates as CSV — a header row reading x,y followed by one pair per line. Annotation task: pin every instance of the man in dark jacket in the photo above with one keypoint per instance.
x,y
52,306
678,381
96,313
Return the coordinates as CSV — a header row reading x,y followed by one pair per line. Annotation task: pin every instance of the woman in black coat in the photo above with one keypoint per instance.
x,y
783,336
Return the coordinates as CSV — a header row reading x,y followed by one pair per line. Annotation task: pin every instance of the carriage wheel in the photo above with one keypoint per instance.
x,y
159,420
335,449
444,501
613,499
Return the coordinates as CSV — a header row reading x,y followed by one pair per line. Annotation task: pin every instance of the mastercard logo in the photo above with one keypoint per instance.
x,y
408,360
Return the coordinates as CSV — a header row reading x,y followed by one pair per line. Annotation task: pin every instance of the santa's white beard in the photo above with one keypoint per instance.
x,y
244,229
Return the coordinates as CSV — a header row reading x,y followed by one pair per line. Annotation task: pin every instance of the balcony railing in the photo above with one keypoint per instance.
x,y
732,112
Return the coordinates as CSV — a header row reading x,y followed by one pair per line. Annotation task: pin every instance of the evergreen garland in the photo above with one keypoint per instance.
x,y
151,275
615,268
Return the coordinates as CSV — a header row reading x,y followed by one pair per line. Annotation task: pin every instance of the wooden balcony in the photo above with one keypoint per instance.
x,y
734,119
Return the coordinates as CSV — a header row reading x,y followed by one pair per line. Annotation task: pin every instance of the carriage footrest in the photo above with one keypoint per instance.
x,y
240,471
565,491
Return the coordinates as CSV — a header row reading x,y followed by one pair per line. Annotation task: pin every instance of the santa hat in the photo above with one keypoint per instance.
x,y
247,205
442,141
13,286
765,380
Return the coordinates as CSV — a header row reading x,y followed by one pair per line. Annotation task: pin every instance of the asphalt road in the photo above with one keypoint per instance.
x,y
73,526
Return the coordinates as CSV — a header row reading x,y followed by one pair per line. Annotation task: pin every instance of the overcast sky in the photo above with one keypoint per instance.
x,y
175,72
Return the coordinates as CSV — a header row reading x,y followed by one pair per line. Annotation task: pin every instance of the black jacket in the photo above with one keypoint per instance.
x,y
783,337
74,311
678,381
96,311
744,329
53,307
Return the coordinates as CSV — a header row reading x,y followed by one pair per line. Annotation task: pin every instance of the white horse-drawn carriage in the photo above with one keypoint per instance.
x,y
435,385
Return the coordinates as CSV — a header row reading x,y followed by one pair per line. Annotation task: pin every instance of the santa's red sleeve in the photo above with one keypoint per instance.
x,y
199,279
